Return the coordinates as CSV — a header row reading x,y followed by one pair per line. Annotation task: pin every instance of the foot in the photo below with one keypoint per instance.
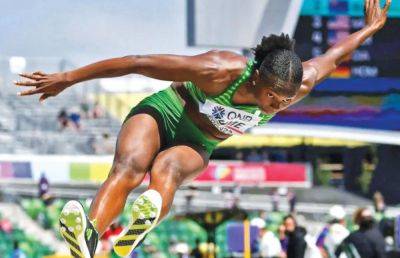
x,y
77,231
145,214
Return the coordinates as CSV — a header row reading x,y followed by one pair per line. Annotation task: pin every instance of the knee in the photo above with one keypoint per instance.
x,y
167,171
129,169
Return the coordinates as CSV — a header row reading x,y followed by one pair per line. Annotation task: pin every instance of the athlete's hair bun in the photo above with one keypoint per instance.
x,y
270,44
275,56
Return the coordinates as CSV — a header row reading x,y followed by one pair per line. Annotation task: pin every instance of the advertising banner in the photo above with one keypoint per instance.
x,y
91,169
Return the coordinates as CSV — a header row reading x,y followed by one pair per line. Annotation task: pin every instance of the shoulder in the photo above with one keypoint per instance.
x,y
221,68
225,60
354,236
223,55
310,74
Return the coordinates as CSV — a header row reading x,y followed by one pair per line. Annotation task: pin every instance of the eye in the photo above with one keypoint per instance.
x,y
270,95
286,100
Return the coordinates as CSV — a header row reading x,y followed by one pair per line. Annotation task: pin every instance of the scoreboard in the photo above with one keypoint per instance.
x,y
346,7
323,23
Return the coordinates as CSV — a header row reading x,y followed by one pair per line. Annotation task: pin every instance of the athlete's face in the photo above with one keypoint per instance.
x,y
269,101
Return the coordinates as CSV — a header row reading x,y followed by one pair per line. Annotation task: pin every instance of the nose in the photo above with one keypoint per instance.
x,y
275,104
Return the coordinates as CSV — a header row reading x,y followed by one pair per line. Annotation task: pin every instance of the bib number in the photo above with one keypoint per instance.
x,y
228,120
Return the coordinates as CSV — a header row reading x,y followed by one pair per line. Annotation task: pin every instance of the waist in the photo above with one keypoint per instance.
x,y
193,112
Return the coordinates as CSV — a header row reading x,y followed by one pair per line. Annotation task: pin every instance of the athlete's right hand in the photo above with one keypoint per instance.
x,y
48,85
375,16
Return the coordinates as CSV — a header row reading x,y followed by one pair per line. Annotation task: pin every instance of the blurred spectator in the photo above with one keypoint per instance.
x,y
269,245
109,236
283,238
279,156
189,196
254,156
239,155
17,252
114,230
5,225
296,243
275,200
334,233
108,144
43,185
85,109
104,146
62,118
179,248
292,200
151,250
232,197
265,155
92,144
367,241
196,252
75,118
97,111
379,203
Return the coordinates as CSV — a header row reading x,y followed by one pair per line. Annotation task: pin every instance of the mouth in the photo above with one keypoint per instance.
x,y
269,110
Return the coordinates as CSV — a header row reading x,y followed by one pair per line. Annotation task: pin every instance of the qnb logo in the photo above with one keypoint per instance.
x,y
218,112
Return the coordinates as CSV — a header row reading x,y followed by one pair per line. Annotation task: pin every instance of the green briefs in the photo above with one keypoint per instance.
x,y
174,124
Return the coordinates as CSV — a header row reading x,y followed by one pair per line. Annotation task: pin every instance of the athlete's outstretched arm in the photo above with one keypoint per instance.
x,y
203,69
319,68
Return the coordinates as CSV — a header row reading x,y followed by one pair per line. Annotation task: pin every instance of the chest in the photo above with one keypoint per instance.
x,y
228,119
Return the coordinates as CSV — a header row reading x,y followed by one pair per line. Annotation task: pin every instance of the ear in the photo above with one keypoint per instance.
x,y
256,77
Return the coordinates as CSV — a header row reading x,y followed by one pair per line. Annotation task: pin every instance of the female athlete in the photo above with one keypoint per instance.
x,y
172,133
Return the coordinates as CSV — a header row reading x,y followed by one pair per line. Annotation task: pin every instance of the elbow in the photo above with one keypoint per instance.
x,y
130,58
133,63
338,55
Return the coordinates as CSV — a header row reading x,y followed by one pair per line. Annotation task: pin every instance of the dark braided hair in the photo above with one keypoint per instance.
x,y
278,63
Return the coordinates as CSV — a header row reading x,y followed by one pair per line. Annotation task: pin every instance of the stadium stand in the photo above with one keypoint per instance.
x,y
26,127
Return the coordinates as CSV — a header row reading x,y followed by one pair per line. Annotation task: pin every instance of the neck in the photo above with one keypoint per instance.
x,y
245,94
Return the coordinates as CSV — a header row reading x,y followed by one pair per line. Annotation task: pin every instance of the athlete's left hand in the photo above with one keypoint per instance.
x,y
375,16
49,85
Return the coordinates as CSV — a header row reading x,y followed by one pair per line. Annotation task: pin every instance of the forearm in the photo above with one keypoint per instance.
x,y
347,46
103,69
319,68
161,67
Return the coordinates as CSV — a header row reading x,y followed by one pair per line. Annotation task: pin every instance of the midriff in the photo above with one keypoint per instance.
x,y
199,119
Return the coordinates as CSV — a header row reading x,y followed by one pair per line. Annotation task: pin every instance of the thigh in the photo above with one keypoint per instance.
x,y
178,164
138,143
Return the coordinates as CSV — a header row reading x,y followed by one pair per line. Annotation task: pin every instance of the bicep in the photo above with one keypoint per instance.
x,y
325,64
315,71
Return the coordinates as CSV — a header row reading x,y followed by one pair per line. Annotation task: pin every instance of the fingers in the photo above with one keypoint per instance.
x,y
387,6
27,83
31,91
30,76
36,78
367,5
375,4
44,97
40,73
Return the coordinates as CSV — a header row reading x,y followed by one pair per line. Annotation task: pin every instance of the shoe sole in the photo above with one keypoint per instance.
x,y
145,214
72,227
